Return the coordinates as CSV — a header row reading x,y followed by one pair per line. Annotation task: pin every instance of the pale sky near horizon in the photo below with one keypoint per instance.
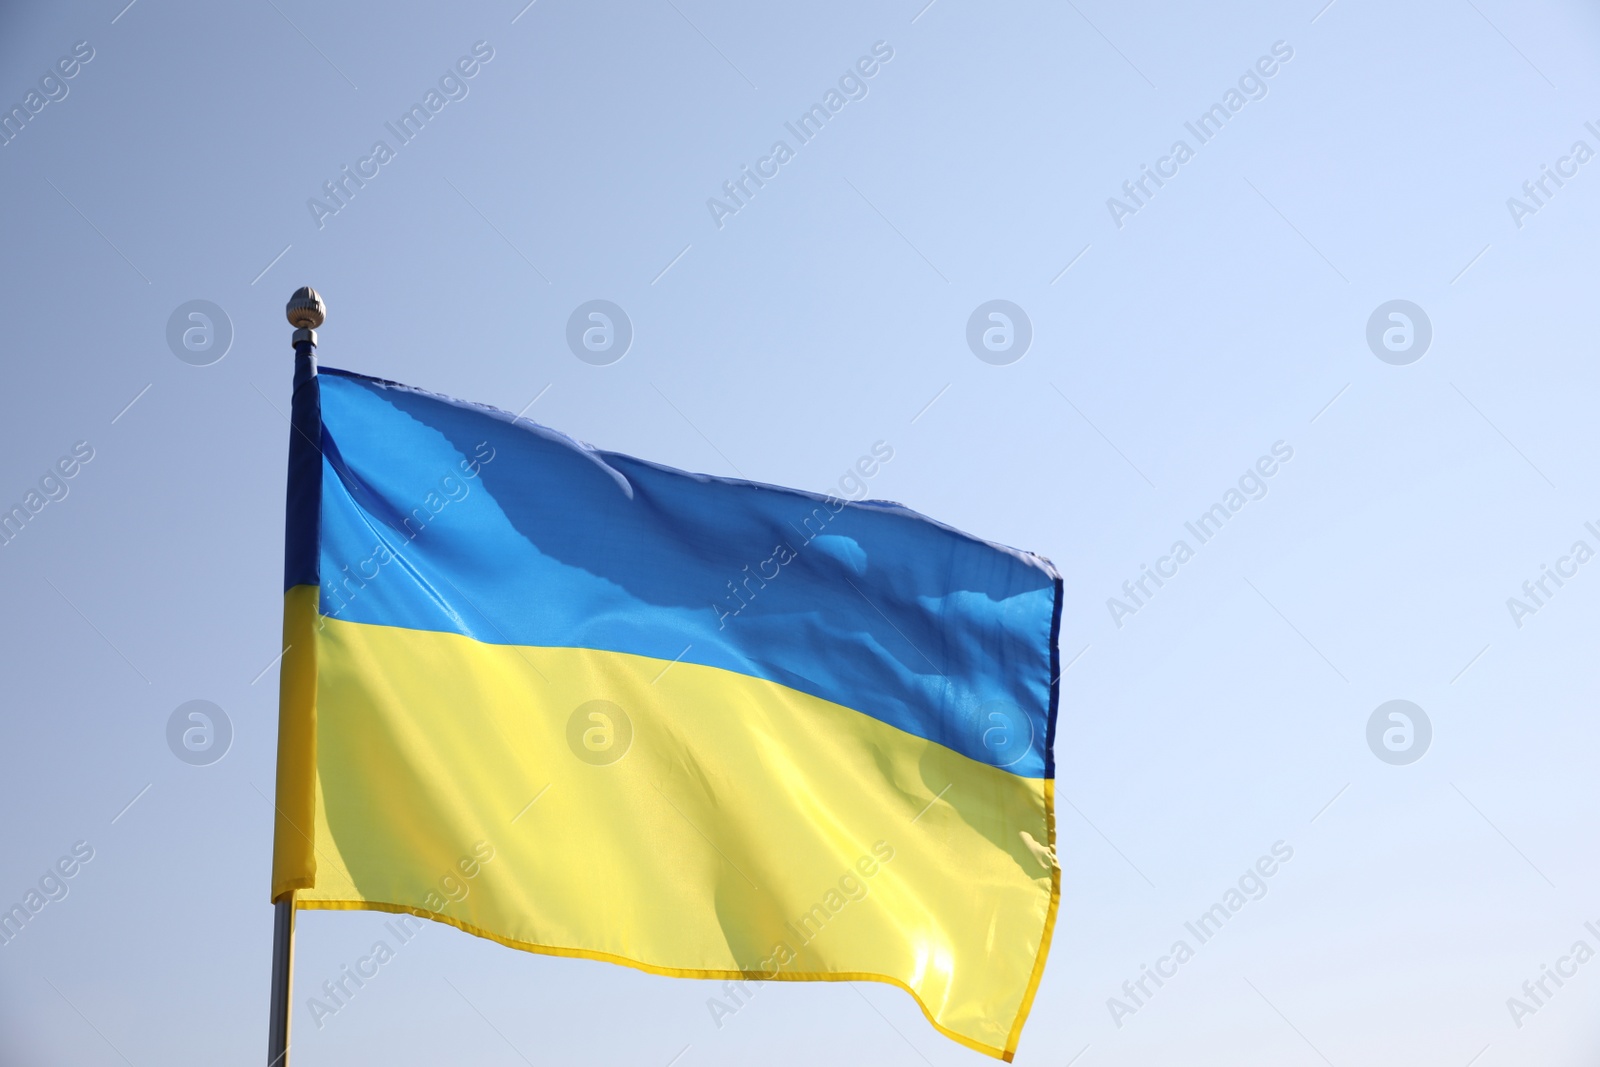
x,y
1367,282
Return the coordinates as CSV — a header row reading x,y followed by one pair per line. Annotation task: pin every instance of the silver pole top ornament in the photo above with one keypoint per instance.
x,y
305,312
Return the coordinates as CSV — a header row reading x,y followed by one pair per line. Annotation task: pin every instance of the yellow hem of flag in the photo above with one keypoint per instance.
x,y
1007,1054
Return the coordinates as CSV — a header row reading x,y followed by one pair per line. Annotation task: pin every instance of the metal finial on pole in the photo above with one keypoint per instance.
x,y
305,312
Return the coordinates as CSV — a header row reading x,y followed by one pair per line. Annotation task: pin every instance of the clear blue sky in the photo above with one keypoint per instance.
x,y
1175,340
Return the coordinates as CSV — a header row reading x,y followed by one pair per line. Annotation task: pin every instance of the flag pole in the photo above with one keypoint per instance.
x,y
282,980
305,312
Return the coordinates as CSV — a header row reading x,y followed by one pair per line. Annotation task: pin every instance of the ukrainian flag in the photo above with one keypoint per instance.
x,y
590,706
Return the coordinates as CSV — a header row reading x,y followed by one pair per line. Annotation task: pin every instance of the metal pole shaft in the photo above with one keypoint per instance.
x,y
282,982
305,312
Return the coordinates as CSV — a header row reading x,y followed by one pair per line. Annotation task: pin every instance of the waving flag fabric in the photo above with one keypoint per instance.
x,y
586,705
